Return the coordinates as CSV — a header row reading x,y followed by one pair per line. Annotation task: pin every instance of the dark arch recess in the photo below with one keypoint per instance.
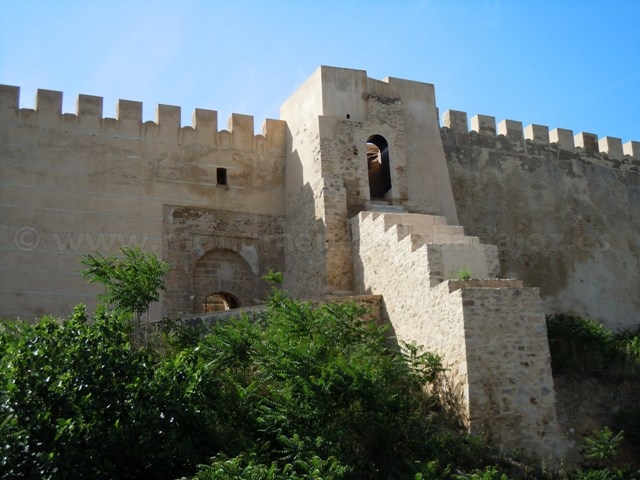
x,y
219,302
378,167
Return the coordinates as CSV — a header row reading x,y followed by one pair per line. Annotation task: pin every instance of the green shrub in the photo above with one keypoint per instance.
x,y
583,344
301,392
628,344
131,282
600,448
602,445
463,274
246,466
489,473
79,402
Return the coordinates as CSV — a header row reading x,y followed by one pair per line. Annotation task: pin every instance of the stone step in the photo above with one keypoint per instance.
x,y
382,206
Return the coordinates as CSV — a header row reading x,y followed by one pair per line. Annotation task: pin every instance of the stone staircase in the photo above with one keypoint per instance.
x,y
383,206
490,333
448,249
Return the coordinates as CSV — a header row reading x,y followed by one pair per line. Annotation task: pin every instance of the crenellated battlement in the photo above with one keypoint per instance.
x,y
485,126
128,122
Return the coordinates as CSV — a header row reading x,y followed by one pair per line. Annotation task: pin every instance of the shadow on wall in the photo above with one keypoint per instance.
x,y
305,249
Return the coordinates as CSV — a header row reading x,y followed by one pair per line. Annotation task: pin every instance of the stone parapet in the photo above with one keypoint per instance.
x,y
89,119
538,203
485,126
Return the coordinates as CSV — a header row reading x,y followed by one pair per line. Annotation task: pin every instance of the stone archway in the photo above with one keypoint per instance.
x,y
222,279
378,167
219,302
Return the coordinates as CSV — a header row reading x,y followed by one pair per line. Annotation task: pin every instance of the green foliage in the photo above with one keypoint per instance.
x,y
330,380
624,473
77,401
300,392
628,345
489,473
248,466
585,345
594,474
463,274
131,282
273,277
603,445
601,448
303,392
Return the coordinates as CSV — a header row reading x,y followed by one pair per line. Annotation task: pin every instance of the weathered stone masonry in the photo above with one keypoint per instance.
x,y
562,209
357,191
76,184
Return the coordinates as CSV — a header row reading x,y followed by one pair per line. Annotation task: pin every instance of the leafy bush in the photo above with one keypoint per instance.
x,y
302,392
602,446
330,381
489,473
248,467
79,402
131,281
582,344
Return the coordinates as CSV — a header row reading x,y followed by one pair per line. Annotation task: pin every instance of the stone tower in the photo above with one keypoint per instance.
x,y
368,190
333,119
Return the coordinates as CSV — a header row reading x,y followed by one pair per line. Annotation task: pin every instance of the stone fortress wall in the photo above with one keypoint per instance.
x,y
357,190
562,209
81,183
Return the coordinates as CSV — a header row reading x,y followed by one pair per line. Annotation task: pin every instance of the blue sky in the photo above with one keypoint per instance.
x,y
562,63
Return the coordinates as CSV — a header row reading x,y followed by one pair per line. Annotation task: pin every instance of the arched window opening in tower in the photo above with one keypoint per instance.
x,y
378,167
219,302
